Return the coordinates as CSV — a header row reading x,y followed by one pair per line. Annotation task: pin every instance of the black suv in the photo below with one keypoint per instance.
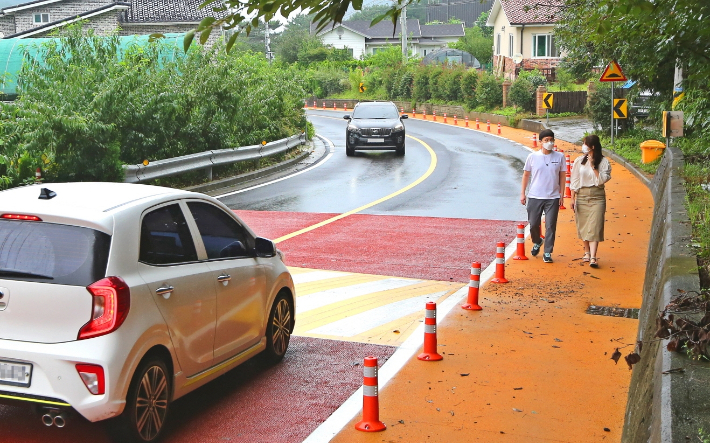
x,y
374,125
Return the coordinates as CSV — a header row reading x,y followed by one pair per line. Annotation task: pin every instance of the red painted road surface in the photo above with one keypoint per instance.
x,y
417,247
284,403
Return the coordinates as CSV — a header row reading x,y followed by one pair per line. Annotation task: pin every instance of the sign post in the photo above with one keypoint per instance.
x,y
613,73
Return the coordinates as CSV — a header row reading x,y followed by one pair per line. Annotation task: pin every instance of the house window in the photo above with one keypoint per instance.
x,y
350,51
497,44
544,46
41,19
376,50
510,45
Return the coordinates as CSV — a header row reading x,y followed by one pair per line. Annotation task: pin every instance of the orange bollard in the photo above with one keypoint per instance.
x,y
569,165
345,106
467,121
315,105
473,284
498,128
334,108
500,264
534,138
370,404
414,113
424,113
434,112
38,175
489,125
324,106
401,109
456,120
430,353
444,117
477,125
520,238
568,191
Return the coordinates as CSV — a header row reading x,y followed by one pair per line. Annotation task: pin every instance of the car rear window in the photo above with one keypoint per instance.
x,y
384,110
52,253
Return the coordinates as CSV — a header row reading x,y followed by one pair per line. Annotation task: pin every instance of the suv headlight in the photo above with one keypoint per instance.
x,y
398,127
355,129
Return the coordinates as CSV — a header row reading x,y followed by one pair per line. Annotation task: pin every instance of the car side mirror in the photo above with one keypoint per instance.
x,y
404,116
346,117
264,247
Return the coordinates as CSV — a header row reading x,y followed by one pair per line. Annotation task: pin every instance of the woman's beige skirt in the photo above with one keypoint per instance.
x,y
590,208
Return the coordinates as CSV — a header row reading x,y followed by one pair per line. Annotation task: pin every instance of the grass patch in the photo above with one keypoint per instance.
x,y
629,147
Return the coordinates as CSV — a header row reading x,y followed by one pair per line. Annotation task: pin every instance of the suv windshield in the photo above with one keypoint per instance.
x,y
52,253
384,110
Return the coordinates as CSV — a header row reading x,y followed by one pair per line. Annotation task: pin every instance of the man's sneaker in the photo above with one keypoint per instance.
x,y
535,249
547,257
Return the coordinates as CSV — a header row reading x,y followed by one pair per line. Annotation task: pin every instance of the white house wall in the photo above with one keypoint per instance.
x,y
349,39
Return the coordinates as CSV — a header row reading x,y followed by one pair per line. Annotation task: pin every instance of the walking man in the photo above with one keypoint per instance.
x,y
545,172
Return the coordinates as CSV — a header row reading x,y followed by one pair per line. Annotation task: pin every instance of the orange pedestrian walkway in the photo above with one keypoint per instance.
x,y
533,366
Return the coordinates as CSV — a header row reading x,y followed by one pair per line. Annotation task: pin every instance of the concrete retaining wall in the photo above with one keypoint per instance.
x,y
670,407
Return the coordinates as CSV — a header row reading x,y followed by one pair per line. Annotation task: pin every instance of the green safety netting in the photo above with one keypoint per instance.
x,y
12,54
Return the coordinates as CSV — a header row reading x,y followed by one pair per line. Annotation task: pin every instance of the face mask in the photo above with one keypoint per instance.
x,y
548,146
585,149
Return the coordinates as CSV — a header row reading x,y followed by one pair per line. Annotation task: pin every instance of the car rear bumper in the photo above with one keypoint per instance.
x,y
394,141
55,382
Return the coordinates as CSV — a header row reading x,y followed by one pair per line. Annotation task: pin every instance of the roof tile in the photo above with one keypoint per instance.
x,y
532,11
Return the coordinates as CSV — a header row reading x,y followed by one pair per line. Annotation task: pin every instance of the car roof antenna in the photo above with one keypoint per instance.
x,y
46,194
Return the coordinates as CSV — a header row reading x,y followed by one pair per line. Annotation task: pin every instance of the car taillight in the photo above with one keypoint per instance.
x,y
111,302
93,378
21,217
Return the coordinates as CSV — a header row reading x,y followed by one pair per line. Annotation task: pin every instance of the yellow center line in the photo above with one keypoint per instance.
x,y
432,166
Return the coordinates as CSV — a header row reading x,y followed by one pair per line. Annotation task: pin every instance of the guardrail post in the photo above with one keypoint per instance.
x,y
209,173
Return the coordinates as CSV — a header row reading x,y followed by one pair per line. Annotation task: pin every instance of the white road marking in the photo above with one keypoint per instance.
x,y
319,299
327,157
359,323
308,277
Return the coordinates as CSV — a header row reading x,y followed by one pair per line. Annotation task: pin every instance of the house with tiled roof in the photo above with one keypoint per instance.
x,y
360,39
134,17
524,36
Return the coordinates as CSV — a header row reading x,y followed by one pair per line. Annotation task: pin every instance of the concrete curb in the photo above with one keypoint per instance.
x,y
249,176
667,407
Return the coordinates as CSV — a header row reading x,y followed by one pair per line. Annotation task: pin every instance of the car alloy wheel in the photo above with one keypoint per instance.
x,y
148,400
278,330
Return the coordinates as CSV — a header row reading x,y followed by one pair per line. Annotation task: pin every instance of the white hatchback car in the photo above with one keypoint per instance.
x,y
116,299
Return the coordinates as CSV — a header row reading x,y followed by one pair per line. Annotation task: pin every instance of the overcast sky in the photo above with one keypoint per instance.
x,y
6,3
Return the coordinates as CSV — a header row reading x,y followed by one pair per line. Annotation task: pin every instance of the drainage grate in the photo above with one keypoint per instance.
x,y
613,312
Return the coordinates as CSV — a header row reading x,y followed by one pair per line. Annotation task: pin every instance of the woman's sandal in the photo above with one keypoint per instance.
x,y
593,262
585,258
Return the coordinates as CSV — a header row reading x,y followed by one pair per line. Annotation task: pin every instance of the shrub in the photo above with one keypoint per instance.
x,y
522,94
421,87
535,77
599,106
489,92
469,82
434,91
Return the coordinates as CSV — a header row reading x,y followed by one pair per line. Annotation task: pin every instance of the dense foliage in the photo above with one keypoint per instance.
x,y
88,107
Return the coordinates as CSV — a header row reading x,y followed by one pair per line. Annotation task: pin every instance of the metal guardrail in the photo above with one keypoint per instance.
x,y
208,159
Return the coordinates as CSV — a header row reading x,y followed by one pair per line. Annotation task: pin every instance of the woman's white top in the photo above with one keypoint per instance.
x,y
583,176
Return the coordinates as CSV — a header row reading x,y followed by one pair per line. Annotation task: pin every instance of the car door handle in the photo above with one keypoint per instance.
x,y
223,278
165,291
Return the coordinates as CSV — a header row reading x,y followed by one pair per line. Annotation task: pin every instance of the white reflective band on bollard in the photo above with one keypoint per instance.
x,y
430,329
473,283
520,240
370,371
475,271
369,391
500,250
500,261
429,313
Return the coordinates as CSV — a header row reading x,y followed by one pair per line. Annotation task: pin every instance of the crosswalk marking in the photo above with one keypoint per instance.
x,y
360,323
319,299
308,277
362,307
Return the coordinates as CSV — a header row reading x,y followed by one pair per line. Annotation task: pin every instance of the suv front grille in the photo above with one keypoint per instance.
x,y
376,132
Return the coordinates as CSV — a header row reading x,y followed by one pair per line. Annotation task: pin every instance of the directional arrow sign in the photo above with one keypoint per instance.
x,y
620,108
362,87
547,100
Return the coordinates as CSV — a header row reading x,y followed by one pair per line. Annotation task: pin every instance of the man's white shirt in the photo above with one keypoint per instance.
x,y
545,174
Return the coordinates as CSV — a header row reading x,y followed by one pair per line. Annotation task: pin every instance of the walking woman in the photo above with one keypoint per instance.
x,y
589,173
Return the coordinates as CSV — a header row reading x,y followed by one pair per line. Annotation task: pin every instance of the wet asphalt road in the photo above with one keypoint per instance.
x,y
477,176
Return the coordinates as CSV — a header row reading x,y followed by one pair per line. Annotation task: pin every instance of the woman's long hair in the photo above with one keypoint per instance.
x,y
593,142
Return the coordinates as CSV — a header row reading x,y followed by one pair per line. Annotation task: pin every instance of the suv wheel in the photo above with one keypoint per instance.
x,y
349,150
400,150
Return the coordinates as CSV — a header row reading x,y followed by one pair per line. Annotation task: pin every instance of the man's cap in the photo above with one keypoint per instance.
x,y
546,133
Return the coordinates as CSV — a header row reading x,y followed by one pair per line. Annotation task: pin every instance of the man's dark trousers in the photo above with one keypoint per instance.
x,y
535,209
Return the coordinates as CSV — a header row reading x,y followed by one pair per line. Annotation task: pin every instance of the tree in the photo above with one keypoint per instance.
x,y
370,12
480,23
476,44
648,38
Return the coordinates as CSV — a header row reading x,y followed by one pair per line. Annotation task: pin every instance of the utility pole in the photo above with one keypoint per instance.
x,y
267,41
403,18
